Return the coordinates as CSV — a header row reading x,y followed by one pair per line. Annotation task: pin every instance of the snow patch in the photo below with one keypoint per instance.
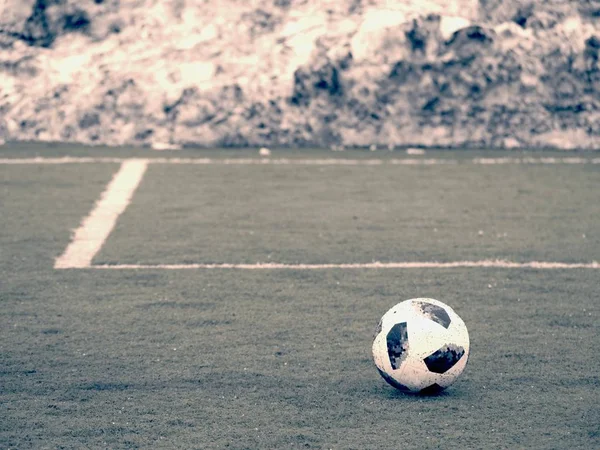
x,y
162,146
373,28
451,24
331,73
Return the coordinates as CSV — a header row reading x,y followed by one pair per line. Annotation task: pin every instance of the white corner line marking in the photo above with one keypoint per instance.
x,y
306,162
500,264
97,226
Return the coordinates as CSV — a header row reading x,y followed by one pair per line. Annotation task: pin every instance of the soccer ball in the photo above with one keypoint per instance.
x,y
421,345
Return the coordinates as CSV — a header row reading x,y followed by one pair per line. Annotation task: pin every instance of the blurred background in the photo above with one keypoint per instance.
x,y
298,73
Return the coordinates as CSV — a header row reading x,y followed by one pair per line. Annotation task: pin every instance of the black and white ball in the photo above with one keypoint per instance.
x,y
421,345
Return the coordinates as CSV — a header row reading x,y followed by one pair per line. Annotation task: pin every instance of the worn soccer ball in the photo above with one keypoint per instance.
x,y
421,345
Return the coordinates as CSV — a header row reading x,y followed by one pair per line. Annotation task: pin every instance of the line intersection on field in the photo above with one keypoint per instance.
x,y
95,229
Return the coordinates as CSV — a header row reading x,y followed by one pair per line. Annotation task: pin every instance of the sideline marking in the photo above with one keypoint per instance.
x,y
95,228
498,263
306,162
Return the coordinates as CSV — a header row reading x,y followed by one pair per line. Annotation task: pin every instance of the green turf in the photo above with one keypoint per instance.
x,y
280,359
291,214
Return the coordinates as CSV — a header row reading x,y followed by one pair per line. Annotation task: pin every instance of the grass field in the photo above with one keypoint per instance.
x,y
253,357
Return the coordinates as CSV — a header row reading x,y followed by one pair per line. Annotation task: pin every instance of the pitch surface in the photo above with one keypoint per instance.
x,y
281,358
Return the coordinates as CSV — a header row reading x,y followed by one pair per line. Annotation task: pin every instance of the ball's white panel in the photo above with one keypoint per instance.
x,y
425,336
380,355
415,375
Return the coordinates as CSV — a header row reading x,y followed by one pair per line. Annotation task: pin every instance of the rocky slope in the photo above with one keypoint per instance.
x,y
479,73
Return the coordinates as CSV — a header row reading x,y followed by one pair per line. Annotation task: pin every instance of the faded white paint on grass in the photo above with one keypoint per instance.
x,y
62,160
96,227
307,162
498,264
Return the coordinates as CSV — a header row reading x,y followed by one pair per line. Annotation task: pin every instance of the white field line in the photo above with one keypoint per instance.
x,y
96,227
62,160
94,230
499,264
305,162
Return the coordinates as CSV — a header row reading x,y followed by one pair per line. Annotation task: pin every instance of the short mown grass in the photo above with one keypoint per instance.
x,y
281,359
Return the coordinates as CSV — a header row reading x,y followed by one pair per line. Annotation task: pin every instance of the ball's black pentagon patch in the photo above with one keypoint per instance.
x,y
393,382
444,359
397,344
435,313
432,390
